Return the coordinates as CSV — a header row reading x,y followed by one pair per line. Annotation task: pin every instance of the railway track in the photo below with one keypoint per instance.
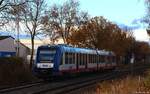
x,y
77,84
24,85
67,85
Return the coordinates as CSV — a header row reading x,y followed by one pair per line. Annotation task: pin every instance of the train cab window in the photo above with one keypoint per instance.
x,y
46,55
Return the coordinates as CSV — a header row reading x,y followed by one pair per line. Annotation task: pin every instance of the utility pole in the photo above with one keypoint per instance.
x,y
18,39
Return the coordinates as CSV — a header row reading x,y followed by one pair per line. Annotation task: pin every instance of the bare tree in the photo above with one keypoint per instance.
x,y
31,15
61,19
5,7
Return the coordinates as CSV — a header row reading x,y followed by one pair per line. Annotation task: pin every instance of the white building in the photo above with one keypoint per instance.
x,y
8,47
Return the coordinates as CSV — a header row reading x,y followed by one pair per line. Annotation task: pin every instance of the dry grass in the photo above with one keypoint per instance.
x,y
125,86
128,85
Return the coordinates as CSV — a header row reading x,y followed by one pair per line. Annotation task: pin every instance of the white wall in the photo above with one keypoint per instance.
x,y
7,45
10,45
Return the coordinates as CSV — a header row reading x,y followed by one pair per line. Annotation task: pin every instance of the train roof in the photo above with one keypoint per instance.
x,y
67,48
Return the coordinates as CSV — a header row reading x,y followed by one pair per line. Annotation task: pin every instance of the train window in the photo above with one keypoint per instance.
x,y
90,58
106,59
86,58
93,58
66,58
47,54
102,58
80,59
97,58
73,58
61,61
77,58
110,60
113,59
70,58
83,59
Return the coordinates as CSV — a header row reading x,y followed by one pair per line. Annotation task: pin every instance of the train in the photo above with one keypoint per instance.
x,y
62,59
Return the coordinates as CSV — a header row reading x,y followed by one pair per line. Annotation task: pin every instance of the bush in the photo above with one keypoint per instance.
x,y
147,80
13,70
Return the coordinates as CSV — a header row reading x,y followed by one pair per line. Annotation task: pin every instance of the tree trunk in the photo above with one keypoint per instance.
x,y
32,52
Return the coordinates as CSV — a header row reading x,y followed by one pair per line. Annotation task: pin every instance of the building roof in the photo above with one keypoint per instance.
x,y
4,37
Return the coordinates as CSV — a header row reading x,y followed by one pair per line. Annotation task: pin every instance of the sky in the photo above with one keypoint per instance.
x,y
120,11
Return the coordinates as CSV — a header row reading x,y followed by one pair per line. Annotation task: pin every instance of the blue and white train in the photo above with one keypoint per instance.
x,y
54,60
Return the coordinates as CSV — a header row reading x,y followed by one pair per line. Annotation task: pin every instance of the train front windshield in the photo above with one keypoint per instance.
x,y
47,55
46,58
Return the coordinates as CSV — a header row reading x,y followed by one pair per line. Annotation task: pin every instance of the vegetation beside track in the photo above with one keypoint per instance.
x,y
125,85
128,85
14,71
